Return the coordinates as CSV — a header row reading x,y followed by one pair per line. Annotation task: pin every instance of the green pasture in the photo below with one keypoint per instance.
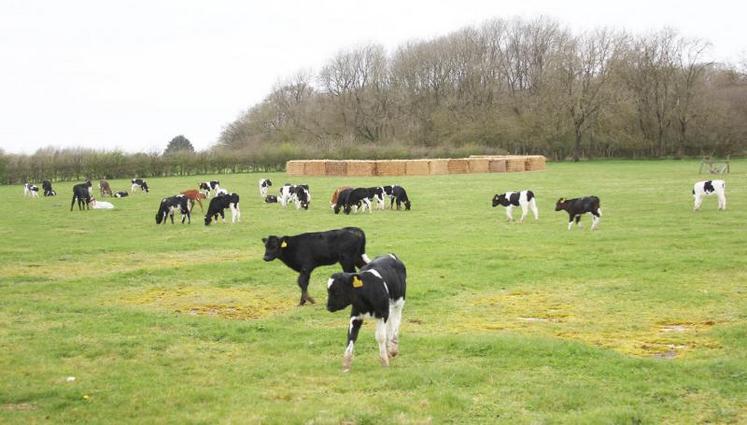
x,y
643,321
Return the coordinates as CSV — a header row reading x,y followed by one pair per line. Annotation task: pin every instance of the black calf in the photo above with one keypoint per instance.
x,y
81,193
307,251
47,187
399,195
220,203
578,206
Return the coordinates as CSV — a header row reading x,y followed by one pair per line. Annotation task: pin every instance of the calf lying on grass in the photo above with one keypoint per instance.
x,y
525,199
578,206
307,251
377,291
121,194
220,203
707,188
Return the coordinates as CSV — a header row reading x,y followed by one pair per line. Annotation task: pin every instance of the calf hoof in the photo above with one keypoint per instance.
x,y
347,363
393,351
385,361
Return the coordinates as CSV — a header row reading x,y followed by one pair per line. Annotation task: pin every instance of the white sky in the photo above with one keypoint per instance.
x,y
133,74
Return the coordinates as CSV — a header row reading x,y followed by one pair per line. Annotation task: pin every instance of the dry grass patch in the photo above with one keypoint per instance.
x,y
227,303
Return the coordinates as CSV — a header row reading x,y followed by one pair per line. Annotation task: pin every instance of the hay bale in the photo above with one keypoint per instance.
x,y
515,164
314,167
294,168
479,165
361,168
395,167
458,166
439,166
335,168
535,163
418,167
497,165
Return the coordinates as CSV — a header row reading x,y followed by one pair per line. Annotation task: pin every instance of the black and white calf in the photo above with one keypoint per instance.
x,y
170,205
271,199
81,193
299,194
47,187
30,190
139,184
707,188
212,185
220,203
377,291
578,206
359,198
121,194
525,199
399,195
307,251
264,187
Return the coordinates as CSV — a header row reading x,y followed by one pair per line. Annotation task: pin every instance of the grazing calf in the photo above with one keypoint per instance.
x,y
299,194
105,188
336,196
194,196
170,205
47,187
578,206
271,199
81,193
525,199
399,195
342,198
206,187
707,188
264,186
30,190
307,251
358,198
221,202
121,194
377,291
376,194
139,184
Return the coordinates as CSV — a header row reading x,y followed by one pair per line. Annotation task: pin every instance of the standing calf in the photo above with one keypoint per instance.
x,y
264,186
30,190
221,202
170,205
399,195
377,291
577,206
307,251
525,199
47,186
81,193
707,188
139,184
105,188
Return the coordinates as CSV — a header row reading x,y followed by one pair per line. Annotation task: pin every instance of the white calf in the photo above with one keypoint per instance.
x,y
709,187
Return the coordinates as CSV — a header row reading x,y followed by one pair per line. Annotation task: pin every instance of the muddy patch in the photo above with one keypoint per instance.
x,y
227,303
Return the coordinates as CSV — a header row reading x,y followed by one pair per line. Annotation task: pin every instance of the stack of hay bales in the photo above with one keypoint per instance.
x,y
497,165
458,166
535,163
394,167
418,167
361,168
336,168
479,165
294,168
314,167
515,164
439,167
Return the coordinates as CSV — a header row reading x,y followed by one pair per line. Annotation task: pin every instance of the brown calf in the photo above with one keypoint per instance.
x,y
194,195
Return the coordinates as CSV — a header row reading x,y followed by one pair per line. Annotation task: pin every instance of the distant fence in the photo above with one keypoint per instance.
x,y
416,167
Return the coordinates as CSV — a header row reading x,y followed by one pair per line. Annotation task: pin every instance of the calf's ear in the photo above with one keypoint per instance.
x,y
264,240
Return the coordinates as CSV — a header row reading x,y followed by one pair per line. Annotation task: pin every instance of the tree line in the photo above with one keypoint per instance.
x,y
518,86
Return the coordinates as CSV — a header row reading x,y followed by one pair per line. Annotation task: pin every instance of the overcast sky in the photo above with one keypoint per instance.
x,y
134,74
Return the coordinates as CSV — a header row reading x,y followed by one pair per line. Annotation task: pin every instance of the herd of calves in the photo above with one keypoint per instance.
x,y
377,289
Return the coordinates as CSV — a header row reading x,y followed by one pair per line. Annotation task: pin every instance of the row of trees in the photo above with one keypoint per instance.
x,y
519,86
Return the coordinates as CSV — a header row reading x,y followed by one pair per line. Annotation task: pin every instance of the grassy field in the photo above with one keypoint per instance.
x,y
642,321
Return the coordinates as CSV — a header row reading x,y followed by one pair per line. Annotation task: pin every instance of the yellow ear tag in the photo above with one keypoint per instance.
x,y
284,244
357,282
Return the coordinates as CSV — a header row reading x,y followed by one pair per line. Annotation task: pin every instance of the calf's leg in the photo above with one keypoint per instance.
x,y
381,340
303,283
392,332
353,329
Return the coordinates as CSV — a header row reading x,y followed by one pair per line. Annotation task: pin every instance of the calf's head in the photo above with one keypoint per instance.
x,y
340,290
560,205
273,247
499,200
